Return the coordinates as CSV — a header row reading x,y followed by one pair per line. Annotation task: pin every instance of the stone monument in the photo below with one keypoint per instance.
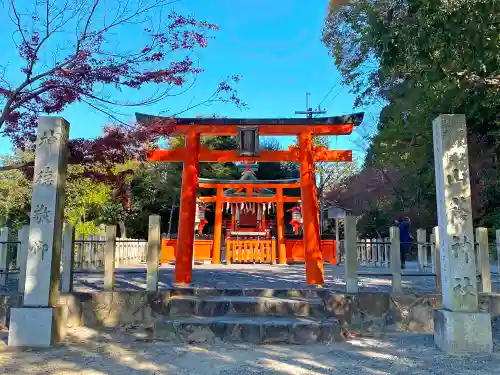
x,y
35,324
459,327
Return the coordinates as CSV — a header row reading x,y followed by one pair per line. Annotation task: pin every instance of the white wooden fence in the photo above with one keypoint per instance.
x,y
89,251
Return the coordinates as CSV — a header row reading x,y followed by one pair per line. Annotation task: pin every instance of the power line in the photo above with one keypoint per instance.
x,y
329,92
333,98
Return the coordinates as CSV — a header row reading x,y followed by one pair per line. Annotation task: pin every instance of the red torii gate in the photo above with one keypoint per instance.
x,y
248,132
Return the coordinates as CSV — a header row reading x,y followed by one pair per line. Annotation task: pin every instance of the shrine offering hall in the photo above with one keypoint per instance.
x,y
249,215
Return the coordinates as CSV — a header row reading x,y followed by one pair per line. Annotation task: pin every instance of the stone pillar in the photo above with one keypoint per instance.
x,y
22,255
459,327
36,323
380,251
369,252
4,250
483,259
350,254
422,249
397,286
436,258
154,243
337,242
497,236
68,258
109,258
387,248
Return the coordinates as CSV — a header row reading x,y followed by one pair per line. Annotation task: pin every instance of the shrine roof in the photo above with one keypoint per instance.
x,y
354,118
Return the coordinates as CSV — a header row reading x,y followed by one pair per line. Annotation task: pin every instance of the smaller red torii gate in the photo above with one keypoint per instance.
x,y
247,132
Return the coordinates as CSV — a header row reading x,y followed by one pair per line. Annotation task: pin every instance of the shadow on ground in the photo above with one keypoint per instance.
x,y
90,352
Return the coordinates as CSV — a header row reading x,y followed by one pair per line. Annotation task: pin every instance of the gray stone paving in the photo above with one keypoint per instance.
x,y
254,276
112,353
264,276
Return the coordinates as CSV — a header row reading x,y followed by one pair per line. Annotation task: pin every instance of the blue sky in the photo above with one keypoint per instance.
x,y
275,45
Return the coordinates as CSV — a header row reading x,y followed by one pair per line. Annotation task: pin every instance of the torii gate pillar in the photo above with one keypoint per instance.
x,y
312,242
187,211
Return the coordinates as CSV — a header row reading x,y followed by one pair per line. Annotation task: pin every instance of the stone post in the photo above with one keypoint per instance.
x,y
36,323
154,241
374,251
380,251
422,249
337,242
459,327
68,258
436,258
483,259
386,252
497,235
22,255
109,258
4,251
397,286
350,254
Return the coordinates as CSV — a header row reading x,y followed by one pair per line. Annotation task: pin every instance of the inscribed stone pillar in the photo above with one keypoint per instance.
x,y
153,258
350,254
35,324
458,325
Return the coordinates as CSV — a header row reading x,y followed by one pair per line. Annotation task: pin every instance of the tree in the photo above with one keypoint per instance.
x,y
88,64
416,43
421,58
15,191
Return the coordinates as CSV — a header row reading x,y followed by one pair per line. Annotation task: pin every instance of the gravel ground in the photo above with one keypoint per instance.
x,y
90,353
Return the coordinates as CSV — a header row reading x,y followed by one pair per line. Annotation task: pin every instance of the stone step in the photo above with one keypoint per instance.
x,y
245,306
250,292
261,330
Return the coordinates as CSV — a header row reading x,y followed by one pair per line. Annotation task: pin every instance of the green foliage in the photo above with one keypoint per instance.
x,y
84,197
15,191
422,58
84,200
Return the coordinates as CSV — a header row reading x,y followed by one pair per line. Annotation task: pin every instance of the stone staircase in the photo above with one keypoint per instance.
x,y
246,315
